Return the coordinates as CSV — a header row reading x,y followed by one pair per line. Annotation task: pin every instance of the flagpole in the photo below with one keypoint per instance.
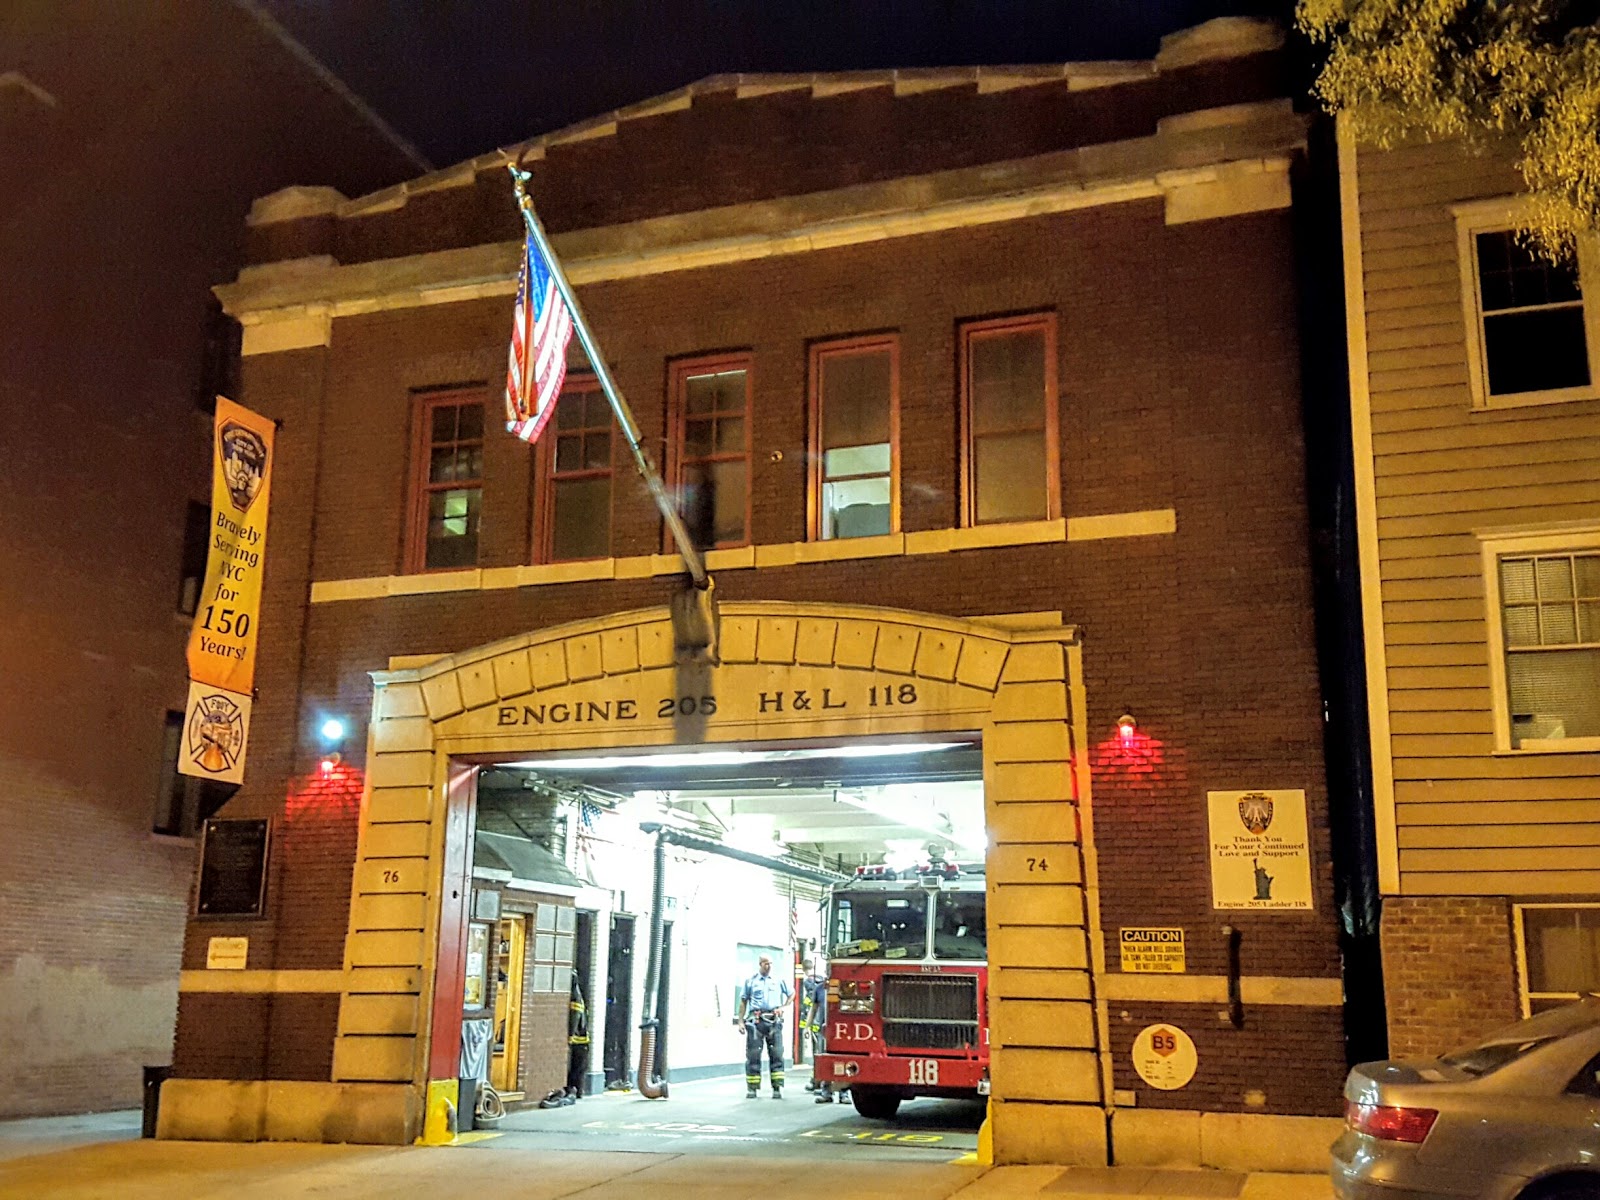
x,y
692,557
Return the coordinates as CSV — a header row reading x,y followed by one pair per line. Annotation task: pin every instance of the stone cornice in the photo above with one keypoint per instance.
x,y
1234,162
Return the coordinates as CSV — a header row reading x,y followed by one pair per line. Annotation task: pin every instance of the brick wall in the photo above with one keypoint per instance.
x,y
1449,969
1168,398
104,447
1280,1060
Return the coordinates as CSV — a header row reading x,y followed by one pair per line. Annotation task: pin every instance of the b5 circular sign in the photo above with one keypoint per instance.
x,y
1165,1057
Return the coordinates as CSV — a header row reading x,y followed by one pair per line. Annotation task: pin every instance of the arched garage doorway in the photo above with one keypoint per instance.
x,y
786,671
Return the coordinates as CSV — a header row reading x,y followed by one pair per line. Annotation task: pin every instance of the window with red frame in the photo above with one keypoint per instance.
x,y
711,419
575,494
1010,452
854,438
447,486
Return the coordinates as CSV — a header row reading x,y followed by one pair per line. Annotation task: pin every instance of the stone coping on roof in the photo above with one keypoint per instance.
x,y
1216,40
1188,149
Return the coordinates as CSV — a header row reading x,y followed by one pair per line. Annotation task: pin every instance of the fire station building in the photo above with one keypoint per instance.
x,y
985,388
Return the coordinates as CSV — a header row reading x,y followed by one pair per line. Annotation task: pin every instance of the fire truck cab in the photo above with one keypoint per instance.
x,y
907,987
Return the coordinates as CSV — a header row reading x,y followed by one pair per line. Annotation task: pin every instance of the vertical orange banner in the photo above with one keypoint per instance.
x,y
222,645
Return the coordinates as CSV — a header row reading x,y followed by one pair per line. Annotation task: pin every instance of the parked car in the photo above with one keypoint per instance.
x,y
1514,1117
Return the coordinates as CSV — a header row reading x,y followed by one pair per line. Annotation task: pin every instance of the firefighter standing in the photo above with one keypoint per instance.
x,y
760,1016
814,1011
577,1039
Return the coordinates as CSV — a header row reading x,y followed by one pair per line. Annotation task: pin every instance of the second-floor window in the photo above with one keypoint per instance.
x,y
447,484
1550,619
711,448
854,430
1531,338
1531,314
574,499
1010,468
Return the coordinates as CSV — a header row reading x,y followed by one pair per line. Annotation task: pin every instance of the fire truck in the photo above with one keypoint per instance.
x,y
908,982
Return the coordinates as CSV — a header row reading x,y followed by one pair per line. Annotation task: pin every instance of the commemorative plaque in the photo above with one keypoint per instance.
x,y
233,868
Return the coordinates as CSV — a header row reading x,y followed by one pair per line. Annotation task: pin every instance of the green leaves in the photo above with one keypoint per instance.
x,y
1480,71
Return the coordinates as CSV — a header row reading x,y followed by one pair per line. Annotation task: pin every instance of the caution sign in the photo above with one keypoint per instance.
x,y
222,644
1152,951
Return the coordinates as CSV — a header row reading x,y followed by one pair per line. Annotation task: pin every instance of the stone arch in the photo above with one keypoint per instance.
x,y
786,671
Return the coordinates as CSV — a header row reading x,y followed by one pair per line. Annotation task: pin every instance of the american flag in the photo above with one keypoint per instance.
x,y
540,330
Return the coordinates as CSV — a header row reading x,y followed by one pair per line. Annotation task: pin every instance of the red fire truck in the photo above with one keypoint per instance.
x,y
907,987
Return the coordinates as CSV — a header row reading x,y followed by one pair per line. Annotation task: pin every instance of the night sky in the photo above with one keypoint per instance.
x,y
462,77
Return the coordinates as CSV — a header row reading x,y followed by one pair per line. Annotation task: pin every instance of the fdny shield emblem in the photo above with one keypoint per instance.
x,y
244,463
216,734
1255,811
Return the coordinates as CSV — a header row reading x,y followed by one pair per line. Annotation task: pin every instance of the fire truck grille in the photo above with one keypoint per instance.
x,y
922,1012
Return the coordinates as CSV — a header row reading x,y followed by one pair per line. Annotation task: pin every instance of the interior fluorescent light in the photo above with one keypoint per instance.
x,y
731,758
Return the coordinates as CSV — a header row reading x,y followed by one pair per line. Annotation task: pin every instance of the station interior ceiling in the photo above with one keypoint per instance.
x,y
836,806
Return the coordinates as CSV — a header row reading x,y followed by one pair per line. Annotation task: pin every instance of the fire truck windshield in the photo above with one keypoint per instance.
x,y
898,924
959,931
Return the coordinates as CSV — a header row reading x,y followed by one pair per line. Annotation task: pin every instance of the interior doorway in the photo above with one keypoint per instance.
x,y
510,957
619,999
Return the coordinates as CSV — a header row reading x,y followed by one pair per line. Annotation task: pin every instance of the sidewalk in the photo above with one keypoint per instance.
x,y
44,1135
147,1170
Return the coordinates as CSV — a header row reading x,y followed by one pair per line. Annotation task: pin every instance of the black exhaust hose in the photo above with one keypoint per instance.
x,y
652,1086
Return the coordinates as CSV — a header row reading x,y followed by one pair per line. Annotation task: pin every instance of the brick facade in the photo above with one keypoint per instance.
x,y
1449,966
1169,401
125,191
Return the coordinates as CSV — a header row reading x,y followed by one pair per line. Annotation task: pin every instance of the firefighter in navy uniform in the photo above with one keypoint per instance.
x,y
814,1014
760,1017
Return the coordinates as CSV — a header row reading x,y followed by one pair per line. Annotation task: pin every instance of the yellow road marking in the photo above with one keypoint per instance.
x,y
474,1135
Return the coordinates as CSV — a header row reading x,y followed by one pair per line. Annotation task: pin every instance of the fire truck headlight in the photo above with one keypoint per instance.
x,y
848,989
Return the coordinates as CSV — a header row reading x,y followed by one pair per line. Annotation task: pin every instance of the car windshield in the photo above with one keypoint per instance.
x,y
1481,1060
879,925
959,932
1511,1042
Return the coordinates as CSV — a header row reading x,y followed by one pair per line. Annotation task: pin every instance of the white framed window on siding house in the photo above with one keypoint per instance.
x,y
1531,339
1543,593
1558,953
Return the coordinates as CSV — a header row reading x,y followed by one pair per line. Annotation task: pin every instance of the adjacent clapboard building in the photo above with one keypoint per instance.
x,y
1475,367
